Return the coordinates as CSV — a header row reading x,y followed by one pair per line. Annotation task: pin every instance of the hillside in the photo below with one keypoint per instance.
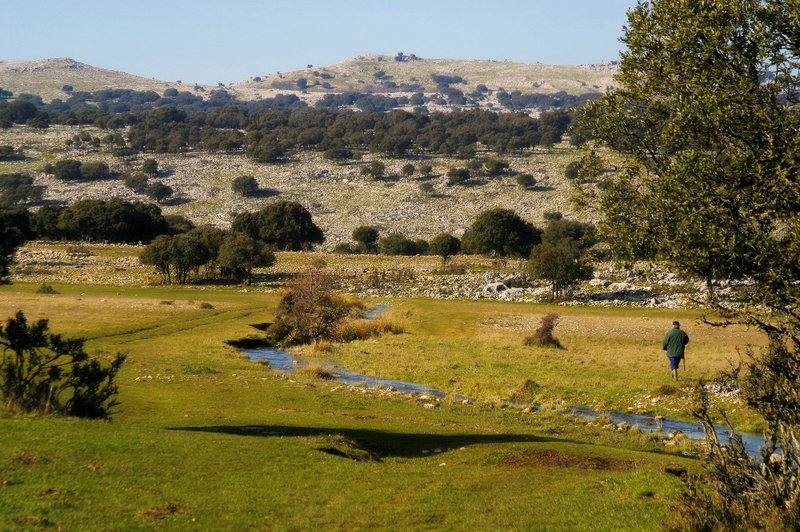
x,y
46,77
359,74
377,74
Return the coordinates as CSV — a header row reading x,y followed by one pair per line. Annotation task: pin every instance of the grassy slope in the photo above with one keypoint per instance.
x,y
514,470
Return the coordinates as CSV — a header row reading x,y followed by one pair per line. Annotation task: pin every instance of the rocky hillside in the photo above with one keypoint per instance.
x,y
46,77
376,74
379,74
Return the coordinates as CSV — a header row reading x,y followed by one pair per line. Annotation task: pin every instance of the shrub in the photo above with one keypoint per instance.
x,y
543,335
284,225
496,167
46,289
158,191
552,216
150,167
8,153
346,248
525,180
18,189
178,224
66,170
136,182
425,169
397,244
95,170
245,185
408,170
309,310
572,170
374,169
338,154
44,373
457,176
445,245
500,232
367,236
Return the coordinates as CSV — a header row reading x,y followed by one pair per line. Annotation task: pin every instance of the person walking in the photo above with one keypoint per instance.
x,y
675,345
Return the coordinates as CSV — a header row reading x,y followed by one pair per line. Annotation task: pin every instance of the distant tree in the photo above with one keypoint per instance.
x,y
421,246
158,191
426,169
44,373
67,88
408,170
150,167
445,245
267,150
559,260
496,167
500,232
367,236
374,169
397,244
170,92
302,83
283,225
8,153
245,185
239,254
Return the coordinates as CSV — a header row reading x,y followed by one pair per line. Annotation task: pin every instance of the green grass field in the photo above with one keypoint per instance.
x,y
206,438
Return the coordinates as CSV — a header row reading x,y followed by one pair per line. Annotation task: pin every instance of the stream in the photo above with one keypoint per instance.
x,y
284,362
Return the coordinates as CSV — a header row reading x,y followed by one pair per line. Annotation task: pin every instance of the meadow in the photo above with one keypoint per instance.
x,y
204,437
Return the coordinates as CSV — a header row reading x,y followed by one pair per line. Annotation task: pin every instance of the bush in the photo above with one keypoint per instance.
x,y
445,245
309,310
95,170
374,169
338,154
44,373
408,170
552,216
66,170
46,289
8,153
245,185
367,236
525,180
113,220
572,170
500,232
426,169
158,191
283,225
136,182
397,244
18,189
150,167
496,167
346,248
543,335
457,176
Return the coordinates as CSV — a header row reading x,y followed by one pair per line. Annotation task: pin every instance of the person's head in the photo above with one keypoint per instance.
x,y
676,324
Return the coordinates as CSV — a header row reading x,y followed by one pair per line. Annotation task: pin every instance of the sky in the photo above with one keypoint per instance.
x,y
224,41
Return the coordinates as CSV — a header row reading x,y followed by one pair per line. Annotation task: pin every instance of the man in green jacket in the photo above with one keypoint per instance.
x,y
675,345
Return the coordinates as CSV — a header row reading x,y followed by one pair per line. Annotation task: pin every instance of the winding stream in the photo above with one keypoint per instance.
x,y
284,362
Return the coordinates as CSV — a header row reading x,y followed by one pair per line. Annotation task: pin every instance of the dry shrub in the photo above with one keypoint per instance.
x,y
46,289
543,335
309,310
207,306
349,330
323,346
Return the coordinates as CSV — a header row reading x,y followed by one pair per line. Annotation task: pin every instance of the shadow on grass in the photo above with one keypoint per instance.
x,y
381,443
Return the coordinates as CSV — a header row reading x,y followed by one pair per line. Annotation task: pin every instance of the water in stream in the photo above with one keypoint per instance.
x,y
284,362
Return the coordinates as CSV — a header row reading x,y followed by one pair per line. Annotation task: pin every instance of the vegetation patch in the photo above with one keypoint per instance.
x,y
338,445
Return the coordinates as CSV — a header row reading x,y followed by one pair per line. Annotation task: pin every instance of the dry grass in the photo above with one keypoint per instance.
x,y
350,330
316,372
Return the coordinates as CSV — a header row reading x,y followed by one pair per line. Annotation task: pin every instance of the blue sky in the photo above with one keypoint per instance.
x,y
224,41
